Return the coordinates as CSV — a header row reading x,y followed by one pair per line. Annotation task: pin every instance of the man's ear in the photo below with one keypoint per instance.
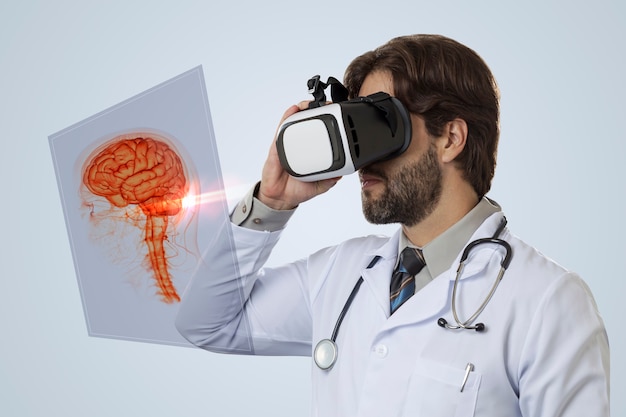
x,y
456,135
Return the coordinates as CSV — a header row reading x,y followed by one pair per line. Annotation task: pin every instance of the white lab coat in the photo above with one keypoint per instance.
x,y
544,352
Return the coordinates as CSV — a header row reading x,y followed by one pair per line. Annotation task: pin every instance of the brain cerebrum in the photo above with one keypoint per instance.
x,y
140,170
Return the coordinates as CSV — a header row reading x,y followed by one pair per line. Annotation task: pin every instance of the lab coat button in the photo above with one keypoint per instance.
x,y
381,350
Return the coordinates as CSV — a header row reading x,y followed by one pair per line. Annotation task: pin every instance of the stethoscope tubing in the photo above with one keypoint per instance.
x,y
504,264
326,352
345,310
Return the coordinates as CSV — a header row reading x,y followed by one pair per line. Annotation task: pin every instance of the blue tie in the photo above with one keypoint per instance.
x,y
402,285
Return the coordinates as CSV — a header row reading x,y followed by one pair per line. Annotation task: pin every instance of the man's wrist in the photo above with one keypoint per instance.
x,y
272,203
253,213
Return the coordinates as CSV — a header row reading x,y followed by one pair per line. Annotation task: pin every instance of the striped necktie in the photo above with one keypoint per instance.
x,y
402,285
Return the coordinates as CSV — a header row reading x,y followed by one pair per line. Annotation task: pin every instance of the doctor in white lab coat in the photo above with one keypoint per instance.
x,y
544,350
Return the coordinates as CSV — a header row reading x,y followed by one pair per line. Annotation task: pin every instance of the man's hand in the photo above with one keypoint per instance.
x,y
281,191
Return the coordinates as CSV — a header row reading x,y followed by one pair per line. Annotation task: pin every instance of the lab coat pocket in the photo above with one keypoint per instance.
x,y
435,390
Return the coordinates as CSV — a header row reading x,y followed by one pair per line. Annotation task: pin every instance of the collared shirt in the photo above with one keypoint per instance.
x,y
443,250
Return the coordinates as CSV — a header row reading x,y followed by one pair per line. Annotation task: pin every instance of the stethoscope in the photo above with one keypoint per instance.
x,y
326,352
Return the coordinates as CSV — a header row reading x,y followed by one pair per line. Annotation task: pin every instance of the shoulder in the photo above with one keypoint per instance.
x,y
350,255
365,242
531,260
546,281
355,247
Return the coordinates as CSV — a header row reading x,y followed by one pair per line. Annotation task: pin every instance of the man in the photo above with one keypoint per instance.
x,y
541,348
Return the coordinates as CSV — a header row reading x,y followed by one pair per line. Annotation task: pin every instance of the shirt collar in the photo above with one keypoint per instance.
x,y
443,250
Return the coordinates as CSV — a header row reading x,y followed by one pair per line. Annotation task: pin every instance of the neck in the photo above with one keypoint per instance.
x,y
455,202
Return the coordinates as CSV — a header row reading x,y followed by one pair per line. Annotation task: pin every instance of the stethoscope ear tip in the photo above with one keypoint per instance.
x,y
479,327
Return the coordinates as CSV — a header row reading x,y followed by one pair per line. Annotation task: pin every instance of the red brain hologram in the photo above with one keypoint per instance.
x,y
138,171
146,172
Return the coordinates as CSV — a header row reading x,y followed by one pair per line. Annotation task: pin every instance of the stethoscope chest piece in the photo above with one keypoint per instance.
x,y
325,354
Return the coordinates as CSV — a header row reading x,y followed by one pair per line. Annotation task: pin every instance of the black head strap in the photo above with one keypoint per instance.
x,y
316,87
382,101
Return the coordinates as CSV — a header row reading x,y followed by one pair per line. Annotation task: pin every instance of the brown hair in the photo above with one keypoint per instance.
x,y
441,80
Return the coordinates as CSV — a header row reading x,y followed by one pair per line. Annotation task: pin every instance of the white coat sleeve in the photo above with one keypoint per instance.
x,y
564,370
233,305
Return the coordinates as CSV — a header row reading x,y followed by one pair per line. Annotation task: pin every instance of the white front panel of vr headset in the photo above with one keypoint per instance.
x,y
307,145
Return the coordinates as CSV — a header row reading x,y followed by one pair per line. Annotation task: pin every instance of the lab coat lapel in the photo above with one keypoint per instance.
x,y
426,304
378,277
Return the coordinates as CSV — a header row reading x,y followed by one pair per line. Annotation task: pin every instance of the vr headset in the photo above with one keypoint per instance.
x,y
331,140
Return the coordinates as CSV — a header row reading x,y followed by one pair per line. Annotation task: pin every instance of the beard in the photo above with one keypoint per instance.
x,y
410,194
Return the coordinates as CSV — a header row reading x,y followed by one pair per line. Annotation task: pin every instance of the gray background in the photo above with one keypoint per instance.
x,y
560,66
